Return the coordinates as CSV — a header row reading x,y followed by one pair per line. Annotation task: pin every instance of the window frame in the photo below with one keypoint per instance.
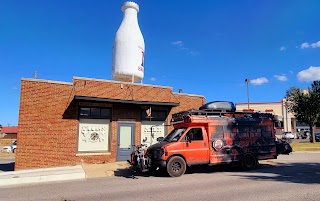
x,y
199,131
94,116
153,111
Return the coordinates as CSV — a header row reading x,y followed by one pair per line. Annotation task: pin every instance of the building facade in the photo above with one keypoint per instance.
x,y
287,120
91,120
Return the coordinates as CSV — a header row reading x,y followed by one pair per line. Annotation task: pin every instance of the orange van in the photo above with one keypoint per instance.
x,y
216,134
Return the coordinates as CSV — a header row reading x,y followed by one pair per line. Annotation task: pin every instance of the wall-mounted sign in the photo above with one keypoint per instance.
x,y
93,135
151,130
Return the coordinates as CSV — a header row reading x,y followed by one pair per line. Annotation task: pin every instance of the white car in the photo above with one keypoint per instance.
x,y
287,135
11,148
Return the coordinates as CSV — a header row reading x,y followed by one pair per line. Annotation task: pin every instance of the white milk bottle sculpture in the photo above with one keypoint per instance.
x,y
128,47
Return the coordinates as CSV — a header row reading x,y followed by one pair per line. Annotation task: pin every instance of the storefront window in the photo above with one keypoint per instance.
x,y
93,135
93,112
156,115
94,124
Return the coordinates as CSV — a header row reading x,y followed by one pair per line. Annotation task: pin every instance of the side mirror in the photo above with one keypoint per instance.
x,y
188,138
159,139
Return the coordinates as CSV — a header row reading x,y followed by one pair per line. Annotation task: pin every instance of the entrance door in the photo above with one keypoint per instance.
x,y
125,141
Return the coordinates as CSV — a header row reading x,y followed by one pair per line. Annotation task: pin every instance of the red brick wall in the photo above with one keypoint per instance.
x,y
44,137
48,118
124,91
186,102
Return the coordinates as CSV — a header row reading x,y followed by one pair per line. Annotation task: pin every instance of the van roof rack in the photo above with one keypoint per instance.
x,y
180,116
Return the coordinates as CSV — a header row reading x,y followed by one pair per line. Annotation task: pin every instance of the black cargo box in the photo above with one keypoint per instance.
x,y
221,106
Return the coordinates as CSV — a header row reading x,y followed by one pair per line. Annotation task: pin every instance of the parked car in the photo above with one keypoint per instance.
x,y
317,136
287,135
11,148
303,134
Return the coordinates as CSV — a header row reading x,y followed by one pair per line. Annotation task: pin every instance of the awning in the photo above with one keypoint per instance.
x,y
109,100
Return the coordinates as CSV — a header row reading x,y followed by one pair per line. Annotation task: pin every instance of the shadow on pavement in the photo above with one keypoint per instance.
x,y
123,173
6,167
129,173
302,173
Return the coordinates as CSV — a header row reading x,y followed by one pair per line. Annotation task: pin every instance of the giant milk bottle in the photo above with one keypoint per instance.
x,y
128,47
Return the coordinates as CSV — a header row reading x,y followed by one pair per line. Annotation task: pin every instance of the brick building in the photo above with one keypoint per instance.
x,y
90,120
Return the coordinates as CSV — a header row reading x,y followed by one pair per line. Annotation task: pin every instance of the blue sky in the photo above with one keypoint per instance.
x,y
204,47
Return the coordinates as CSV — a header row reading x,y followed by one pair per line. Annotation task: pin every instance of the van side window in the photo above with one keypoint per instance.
x,y
195,134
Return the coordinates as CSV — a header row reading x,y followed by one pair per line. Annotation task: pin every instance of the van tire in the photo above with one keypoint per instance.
x,y
176,166
249,162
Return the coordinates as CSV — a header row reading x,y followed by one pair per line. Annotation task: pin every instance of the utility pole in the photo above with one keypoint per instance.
x,y
35,75
287,123
247,81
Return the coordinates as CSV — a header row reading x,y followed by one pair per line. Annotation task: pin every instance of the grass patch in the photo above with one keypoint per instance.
x,y
305,146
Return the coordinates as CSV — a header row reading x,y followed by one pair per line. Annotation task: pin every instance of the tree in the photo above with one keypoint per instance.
x,y
305,105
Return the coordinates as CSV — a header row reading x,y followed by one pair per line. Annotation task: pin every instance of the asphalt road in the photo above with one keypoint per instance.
x,y
293,177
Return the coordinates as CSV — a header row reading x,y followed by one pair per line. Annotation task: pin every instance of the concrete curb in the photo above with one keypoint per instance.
x,y
42,175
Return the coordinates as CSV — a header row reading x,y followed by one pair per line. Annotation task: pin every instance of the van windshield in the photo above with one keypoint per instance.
x,y
174,135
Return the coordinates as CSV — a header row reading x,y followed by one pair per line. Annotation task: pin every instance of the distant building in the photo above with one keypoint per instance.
x,y
9,132
287,120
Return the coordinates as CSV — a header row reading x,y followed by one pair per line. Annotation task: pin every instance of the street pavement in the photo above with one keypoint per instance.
x,y
290,177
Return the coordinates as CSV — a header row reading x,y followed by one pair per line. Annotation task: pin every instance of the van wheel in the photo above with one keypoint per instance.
x,y
176,166
249,162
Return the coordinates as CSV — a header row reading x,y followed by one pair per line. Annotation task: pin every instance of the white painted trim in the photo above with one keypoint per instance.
x,y
93,154
113,81
183,94
47,81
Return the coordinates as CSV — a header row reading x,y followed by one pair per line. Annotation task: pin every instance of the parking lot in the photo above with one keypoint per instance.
x,y
6,161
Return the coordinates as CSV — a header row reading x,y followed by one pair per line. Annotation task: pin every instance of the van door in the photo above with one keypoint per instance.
x,y
196,147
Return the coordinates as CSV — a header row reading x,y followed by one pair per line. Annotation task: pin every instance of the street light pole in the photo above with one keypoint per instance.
x,y
287,125
247,81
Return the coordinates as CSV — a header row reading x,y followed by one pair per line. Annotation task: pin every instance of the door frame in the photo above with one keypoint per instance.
x,y
133,125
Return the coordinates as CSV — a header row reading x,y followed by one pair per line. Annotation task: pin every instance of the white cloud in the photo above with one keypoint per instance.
x,y
291,72
312,45
180,45
304,45
193,52
153,79
283,48
259,81
282,77
315,45
310,74
177,43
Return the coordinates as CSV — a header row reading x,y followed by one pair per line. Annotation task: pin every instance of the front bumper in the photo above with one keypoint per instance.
x,y
6,150
158,164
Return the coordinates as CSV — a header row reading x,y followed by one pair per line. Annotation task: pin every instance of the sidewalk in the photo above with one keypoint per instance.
x,y
107,170
84,171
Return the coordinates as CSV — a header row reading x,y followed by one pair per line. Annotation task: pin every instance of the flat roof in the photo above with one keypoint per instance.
x,y
110,100
257,103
